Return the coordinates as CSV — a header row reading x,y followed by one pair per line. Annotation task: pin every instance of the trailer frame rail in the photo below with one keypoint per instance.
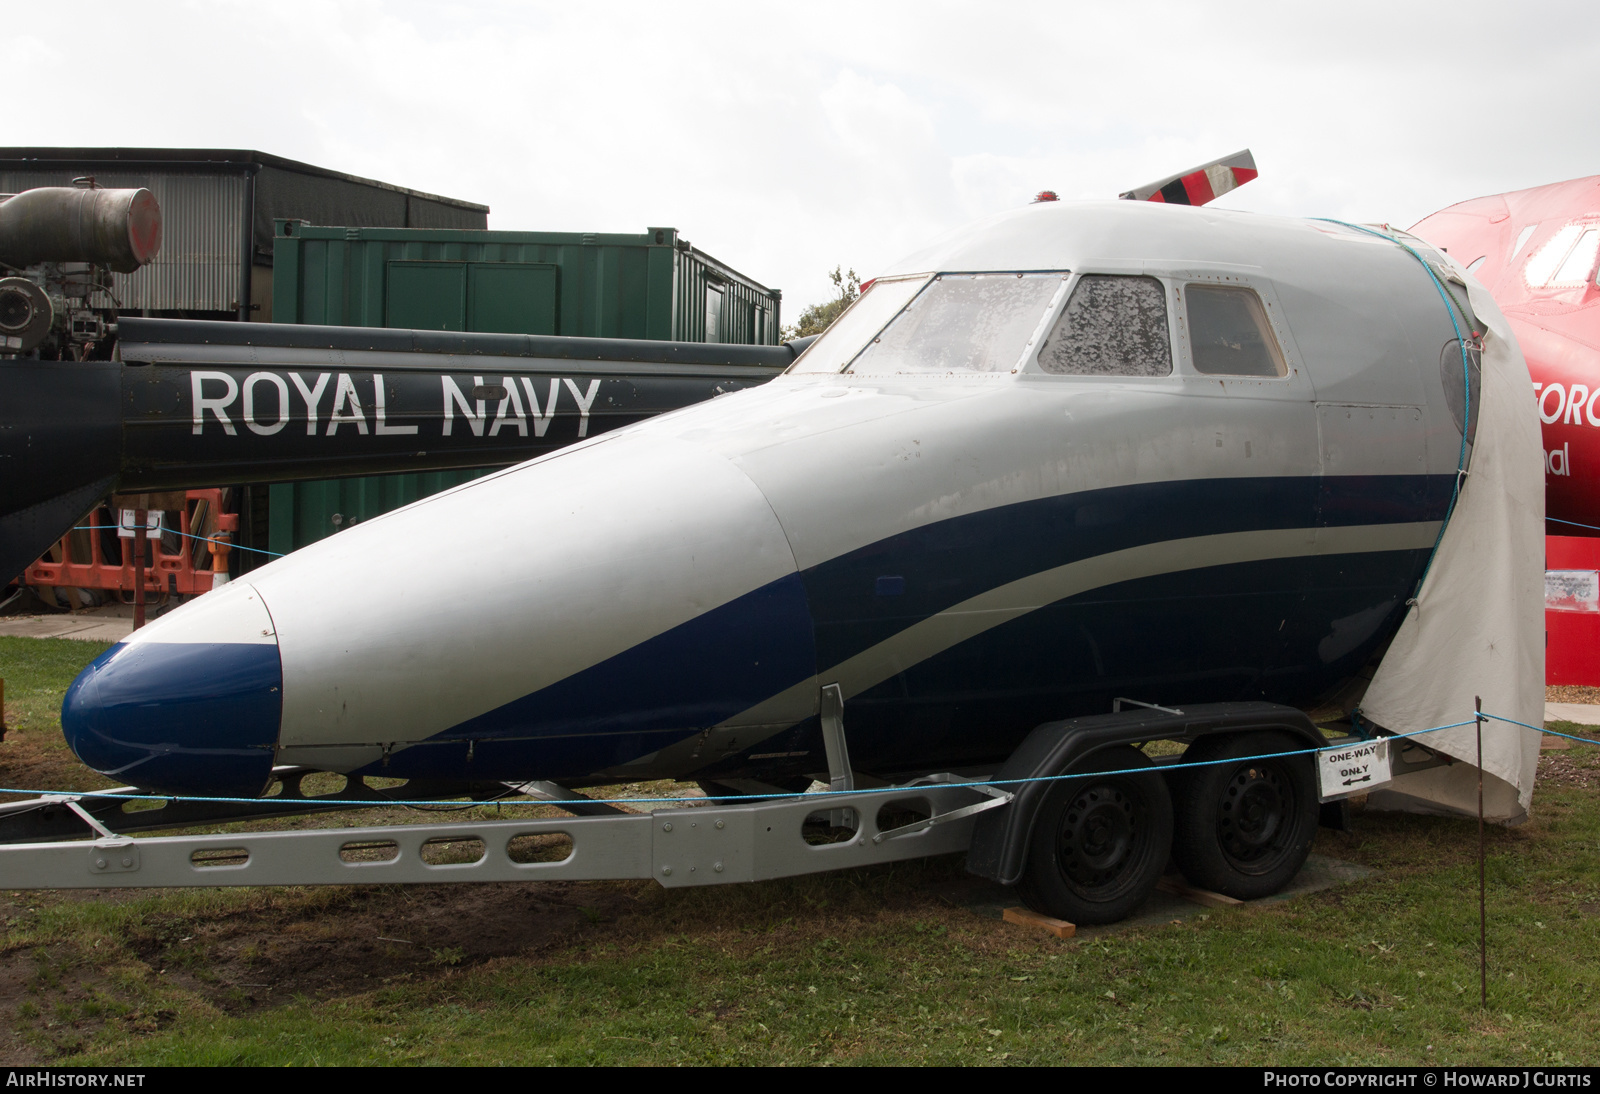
x,y
678,847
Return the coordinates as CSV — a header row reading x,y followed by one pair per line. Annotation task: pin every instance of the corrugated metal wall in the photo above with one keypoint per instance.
x,y
748,314
350,203
202,237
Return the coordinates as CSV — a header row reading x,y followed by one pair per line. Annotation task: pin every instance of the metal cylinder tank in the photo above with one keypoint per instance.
x,y
120,229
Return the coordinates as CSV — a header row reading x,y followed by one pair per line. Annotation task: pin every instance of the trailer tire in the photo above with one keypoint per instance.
x,y
1244,829
1099,844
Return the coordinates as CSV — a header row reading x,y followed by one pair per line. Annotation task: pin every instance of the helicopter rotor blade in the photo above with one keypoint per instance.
x,y
1199,185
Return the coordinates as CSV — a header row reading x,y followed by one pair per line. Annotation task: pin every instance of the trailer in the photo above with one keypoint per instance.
x,y
1080,791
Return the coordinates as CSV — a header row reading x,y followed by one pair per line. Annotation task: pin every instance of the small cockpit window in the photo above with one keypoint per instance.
x,y
1229,333
1114,325
1522,239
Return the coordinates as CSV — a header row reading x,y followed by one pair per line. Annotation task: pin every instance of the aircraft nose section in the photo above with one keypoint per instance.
x,y
188,705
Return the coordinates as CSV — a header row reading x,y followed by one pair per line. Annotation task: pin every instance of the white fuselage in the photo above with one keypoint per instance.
x,y
966,553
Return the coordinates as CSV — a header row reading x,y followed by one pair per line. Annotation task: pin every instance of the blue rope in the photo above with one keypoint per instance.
x,y
174,531
1551,732
1451,305
1574,523
790,795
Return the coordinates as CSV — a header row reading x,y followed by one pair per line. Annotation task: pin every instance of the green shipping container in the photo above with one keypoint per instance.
x,y
303,512
653,285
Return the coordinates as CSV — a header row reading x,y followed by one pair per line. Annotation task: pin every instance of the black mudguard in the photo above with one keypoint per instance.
x,y
1000,839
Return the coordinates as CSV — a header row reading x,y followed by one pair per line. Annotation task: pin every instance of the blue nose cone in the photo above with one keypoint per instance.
x,y
188,705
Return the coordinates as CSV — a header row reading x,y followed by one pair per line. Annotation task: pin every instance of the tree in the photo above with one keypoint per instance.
x,y
817,318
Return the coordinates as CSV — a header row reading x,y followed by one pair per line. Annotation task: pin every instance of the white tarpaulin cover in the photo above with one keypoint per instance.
x,y
1477,628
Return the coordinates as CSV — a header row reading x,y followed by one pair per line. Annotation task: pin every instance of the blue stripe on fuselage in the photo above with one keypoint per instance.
x,y
950,561
1285,630
704,671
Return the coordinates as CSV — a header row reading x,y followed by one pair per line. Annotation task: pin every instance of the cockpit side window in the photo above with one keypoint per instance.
x,y
1229,332
1114,325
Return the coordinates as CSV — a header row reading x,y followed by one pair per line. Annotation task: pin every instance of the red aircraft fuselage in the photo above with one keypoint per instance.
x,y
1536,251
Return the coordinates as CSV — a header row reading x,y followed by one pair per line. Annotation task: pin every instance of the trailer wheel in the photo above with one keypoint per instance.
x,y
1099,843
1244,829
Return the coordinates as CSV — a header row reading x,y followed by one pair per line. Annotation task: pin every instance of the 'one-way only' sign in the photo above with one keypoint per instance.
x,y
1353,769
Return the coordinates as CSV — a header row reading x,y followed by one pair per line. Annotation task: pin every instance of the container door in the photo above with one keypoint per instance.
x,y
513,297
426,296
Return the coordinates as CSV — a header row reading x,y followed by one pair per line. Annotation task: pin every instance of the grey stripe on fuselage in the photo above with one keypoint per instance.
x,y
1010,601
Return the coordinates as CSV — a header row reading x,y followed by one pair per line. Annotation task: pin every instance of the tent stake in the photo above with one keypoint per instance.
x,y
1483,920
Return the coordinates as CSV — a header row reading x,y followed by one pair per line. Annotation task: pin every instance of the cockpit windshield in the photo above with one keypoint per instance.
x,y
860,322
955,323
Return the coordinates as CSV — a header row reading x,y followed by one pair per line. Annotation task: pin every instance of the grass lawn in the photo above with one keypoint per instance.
x,y
869,966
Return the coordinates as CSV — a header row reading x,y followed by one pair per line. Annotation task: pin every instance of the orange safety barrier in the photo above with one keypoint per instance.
x,y
165,573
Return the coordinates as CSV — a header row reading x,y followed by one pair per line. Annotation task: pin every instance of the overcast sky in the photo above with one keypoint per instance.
x,y
787,139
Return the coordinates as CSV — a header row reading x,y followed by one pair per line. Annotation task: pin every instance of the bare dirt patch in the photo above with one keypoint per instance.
x,y
355,939
279,946
1566,770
